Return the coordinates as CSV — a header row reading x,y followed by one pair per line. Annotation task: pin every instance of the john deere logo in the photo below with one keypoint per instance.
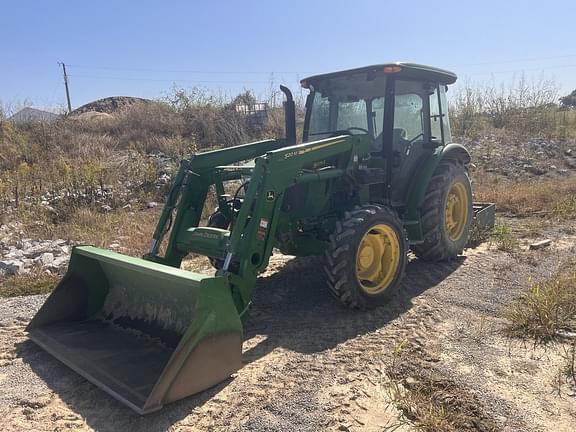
x,y
270,196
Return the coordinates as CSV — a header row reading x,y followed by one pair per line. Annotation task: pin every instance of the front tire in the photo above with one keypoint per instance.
x,y
447,213
367,256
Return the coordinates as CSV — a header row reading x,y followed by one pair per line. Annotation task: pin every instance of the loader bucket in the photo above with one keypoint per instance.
x,y
146,333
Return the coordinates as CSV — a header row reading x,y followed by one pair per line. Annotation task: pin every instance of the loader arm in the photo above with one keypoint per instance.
x,y
191,186
247,249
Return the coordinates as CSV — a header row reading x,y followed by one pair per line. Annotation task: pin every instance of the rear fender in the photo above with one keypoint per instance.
x,y
419,186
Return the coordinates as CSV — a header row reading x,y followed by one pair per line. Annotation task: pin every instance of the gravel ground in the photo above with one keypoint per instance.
x,y
310,364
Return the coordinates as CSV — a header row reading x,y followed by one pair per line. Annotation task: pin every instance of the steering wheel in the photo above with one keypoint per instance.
x,y
421,135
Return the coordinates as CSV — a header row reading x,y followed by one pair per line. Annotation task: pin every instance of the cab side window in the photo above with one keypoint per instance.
x,y
445,122
435,116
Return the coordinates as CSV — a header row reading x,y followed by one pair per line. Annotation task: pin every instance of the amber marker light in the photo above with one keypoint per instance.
x,y
392,69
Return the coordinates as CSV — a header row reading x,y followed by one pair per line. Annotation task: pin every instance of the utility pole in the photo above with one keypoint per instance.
x,y
66,85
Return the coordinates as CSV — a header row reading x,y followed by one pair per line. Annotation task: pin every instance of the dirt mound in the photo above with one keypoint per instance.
x,y
109,105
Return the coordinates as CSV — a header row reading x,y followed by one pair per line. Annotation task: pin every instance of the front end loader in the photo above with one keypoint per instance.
x,y
375,176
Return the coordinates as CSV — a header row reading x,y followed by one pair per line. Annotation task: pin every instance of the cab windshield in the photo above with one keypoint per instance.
x,y
347,105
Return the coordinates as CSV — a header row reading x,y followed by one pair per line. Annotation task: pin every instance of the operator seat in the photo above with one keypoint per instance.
x,y
399,141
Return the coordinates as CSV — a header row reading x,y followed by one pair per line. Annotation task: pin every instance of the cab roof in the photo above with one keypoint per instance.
x,y
398,69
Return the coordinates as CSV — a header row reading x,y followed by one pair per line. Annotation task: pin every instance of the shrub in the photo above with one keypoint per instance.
x,y
547,308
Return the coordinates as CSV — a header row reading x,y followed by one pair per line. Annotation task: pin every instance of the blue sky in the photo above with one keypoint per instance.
x,y
144,48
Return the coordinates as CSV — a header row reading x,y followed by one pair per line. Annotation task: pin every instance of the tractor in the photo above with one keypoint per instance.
x,y
376,176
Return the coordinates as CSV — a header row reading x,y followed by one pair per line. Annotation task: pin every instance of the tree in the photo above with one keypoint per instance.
x,y
569,101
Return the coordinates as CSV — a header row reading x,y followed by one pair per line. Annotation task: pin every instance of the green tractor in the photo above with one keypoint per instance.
x,y
377,175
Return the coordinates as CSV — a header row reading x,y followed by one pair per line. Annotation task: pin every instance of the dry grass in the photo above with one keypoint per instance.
x,y
30,284
504,239
554,198
132,230
431,402
519,107
546,309
569,369
76,156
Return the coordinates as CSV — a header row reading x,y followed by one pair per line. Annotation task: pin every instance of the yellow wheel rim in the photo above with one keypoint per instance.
x,y
377,259
456,212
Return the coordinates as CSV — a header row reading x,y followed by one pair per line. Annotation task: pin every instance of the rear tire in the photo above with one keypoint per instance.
x,y
367,256
446,213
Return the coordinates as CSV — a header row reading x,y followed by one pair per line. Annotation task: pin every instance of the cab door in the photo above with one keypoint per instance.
x,y
413,138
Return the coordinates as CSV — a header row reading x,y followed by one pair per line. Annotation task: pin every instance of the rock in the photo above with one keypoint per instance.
x,y
568,152
36,251
13,267
28,263
105,209
127,207
152,204
553,167
570,161
59,262
163,179
44,260
533,170
14,253
411,381
51,209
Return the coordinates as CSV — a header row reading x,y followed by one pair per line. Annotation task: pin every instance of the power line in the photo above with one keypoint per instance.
x,y
232,72
126,78
189,71
496,72
120,78
517,60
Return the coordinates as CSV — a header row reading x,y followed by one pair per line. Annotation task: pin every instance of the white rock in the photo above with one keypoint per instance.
x,y
45,259
163,179
152,204
36,251
59,262
13,267
14,254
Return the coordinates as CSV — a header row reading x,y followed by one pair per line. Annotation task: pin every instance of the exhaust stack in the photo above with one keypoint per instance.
x,y
289,115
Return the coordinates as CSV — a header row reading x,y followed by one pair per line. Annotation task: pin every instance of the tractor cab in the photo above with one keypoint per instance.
x,y
399,104
401,107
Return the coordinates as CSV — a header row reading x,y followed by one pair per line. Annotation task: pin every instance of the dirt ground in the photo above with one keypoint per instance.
x,y
310,364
